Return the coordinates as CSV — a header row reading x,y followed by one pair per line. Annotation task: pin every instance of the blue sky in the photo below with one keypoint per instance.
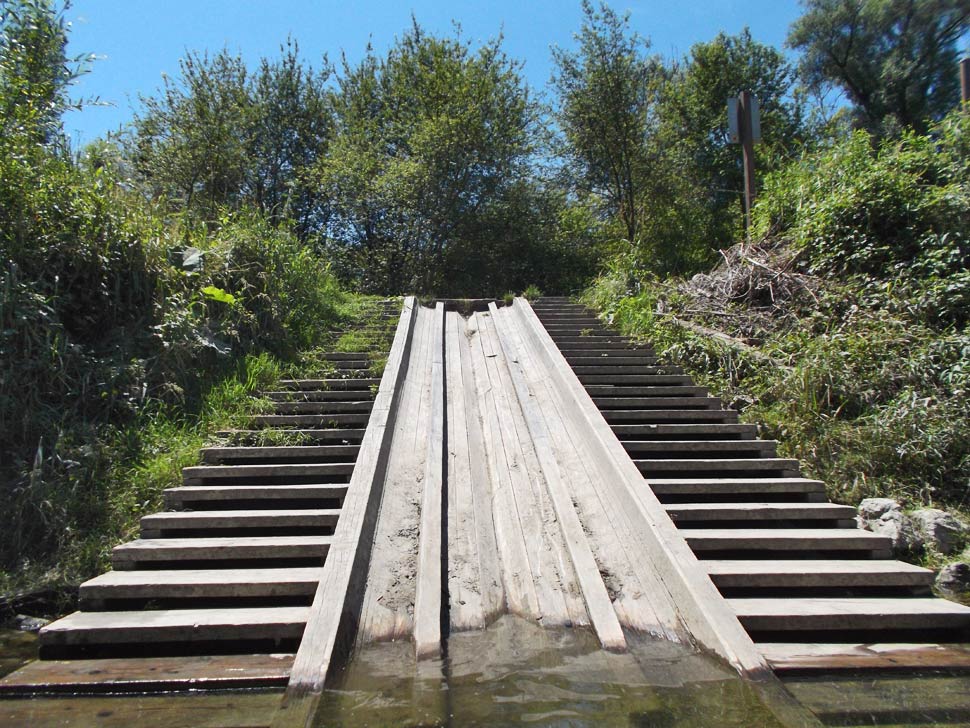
x,y
139,40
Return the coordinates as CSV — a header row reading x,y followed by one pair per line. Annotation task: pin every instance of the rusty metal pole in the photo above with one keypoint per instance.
x,y
747,148
965,80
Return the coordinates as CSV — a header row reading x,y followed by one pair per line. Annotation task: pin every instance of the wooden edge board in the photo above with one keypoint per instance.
x,y
703,610
156,674
427,600
597,599
795,657
337,602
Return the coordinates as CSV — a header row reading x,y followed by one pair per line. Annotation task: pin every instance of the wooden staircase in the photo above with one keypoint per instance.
x,y
217,590
813,590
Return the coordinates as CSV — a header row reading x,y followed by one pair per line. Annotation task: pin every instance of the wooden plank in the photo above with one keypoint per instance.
x,y
217,455
759,512
338,596
209,472
731,486
850,613
201,494
156,674
816,573
387,611
784,539
219,548
554,578
427,600
193,583
480,492
799,656
598,604
175,625
702,609
516,571
257,518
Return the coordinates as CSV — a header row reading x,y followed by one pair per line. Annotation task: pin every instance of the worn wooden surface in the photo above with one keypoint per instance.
x,y
149,674
333,615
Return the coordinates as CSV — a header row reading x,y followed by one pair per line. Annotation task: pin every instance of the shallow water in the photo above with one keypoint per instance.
x,y
16,649
517,673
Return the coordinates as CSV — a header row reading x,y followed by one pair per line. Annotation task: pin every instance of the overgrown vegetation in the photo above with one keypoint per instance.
x,y
849,316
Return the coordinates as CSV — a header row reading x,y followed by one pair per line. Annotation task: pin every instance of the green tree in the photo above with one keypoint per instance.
x,y
430,141
221,136
608,93
35,71
695,130
894,59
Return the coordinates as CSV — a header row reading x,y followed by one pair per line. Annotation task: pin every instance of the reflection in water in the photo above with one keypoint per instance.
x,y
517,673
885,700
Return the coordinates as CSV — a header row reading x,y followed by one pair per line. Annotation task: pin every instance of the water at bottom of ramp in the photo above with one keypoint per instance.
x,y
517,673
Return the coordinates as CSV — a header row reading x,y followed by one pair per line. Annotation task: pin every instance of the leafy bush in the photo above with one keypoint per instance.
x,y
897,211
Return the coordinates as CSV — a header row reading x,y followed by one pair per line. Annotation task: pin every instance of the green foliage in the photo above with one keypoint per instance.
x,y
894,59
221,136
871,402
532,293
897,212
607,95
429,171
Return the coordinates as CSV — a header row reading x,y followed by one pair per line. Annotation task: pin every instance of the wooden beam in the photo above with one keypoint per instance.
x,y
336,605
702,609
427,601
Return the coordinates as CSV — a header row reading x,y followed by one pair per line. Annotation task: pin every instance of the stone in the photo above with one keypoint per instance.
x,y
954,578
885,516
26,623
939,530
871,509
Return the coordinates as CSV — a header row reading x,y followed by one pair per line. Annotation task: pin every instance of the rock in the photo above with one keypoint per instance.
x,y
26,623
885,516
871,509
954,578
939,530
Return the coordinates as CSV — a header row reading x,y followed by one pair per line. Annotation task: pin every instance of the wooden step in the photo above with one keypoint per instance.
x,y
200,583
581,343
785,539
145,675
309,395
346,355
735,486
247,548
657,416
219,455
680,512
321,408
719,465
188,495
175,625
294,421
621,370
807,657
333,434
849,613
638,379
607,392
594,351
671,447
606,359
356,364
155,524
640,403
323,384
685,431
198,473
810,573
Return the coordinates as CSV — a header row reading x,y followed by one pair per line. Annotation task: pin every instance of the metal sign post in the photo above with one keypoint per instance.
x,y
744,128
965,80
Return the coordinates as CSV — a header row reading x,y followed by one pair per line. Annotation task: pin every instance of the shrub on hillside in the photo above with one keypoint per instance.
x,y
896,211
